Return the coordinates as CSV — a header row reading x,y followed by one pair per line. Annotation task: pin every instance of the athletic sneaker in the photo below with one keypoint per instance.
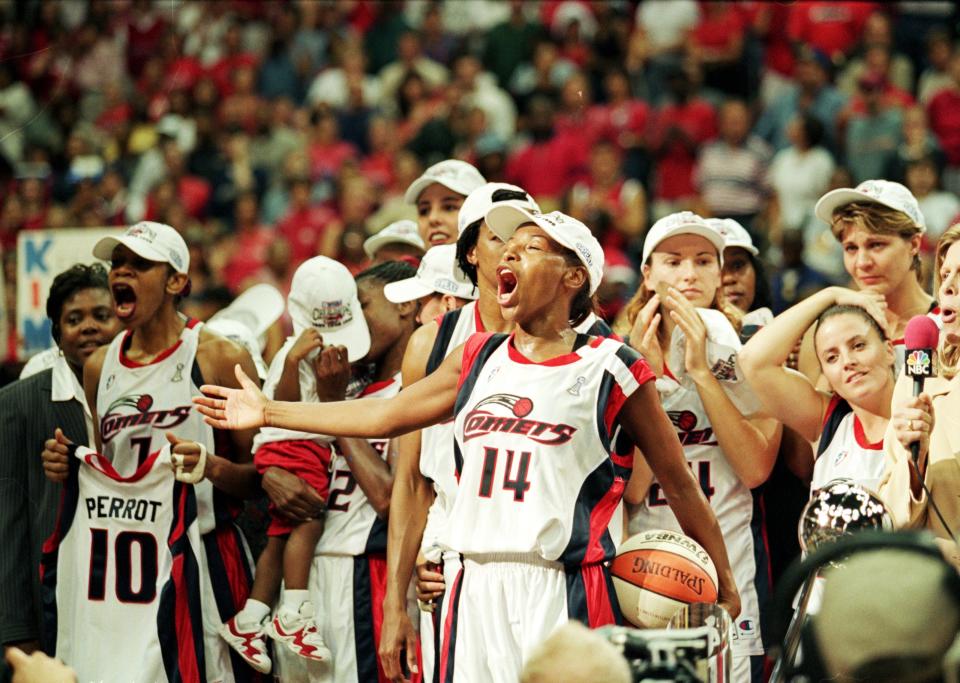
x,y
250,645
299,633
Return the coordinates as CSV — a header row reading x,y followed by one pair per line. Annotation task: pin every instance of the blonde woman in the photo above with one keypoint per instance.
x,y
931,419
681,324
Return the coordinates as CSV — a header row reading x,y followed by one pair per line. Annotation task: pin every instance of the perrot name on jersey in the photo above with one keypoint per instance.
x,y
113,423
482,420
112,507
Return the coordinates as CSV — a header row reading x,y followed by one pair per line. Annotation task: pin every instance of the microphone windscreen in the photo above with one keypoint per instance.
x,y
921,333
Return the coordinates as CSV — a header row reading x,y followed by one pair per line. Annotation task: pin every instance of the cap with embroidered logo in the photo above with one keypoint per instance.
x,y
323,295
152,241
504,219
438,274
398,232
454,174
482,199
885,192
681,223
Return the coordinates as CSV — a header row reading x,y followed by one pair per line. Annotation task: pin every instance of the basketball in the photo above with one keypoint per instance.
x,y
657,572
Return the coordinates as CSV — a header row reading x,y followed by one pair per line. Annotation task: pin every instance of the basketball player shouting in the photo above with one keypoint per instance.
x,y
538,480
140,387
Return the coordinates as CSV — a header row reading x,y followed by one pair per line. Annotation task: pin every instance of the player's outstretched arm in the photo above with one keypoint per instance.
x,y
643,417
421,405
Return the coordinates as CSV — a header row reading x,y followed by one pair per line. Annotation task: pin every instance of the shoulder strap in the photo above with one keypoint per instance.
x,y
836,411
439,351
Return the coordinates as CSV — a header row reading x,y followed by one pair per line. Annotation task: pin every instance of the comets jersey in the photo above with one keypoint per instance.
x,y
534,444
351,525
731,500
844,452
137,403
120,574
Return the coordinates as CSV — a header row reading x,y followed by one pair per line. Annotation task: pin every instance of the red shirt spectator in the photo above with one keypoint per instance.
x,y
677,133
769,21
305,224
944,113
233,58
833,27
546,169
720,26
145,32
327,151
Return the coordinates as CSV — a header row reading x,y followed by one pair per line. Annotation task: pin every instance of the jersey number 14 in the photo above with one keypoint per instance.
x,y
519,483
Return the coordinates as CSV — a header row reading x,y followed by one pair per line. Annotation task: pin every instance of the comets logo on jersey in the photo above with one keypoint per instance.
x,y
482,420
686,421
113,423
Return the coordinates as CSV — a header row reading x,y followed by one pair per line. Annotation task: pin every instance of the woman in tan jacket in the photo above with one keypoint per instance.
x,y
932,419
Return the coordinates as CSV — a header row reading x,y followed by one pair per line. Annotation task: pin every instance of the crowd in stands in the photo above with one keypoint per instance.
x,y
270,132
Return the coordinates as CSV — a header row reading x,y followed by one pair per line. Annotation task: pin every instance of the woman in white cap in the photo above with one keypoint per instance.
x,y
438,194
680,322
530,530
880,227
139,389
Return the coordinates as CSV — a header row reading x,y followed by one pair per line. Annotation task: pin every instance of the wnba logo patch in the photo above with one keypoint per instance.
x,y
113,422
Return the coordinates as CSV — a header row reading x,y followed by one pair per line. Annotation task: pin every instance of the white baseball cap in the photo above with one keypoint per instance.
x,y
457,175
323,295
886,192
398,232
479,202
504,219
152,241
257,308
240,334
682,223
438,274
734,234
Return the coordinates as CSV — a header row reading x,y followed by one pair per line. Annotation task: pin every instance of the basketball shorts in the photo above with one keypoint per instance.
x,y
431,623
307,459
500,607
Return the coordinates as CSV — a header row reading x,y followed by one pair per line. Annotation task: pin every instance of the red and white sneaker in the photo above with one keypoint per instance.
x,y
250,645
299,633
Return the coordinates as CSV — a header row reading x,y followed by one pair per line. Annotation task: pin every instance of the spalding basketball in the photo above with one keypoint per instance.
x,y
657,572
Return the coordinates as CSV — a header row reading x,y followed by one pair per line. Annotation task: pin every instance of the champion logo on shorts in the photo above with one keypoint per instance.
x,y
112,423
513,418
746,627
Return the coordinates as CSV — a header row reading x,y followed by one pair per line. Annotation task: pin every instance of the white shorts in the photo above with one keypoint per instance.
x,y
430,622
499,608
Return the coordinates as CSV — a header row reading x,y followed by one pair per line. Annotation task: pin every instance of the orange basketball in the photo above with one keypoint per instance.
x,y
657,572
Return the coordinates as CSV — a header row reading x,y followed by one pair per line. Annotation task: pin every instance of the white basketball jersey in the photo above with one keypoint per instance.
x,y
844,451
730,499
120,575
533,449
137,404
351,525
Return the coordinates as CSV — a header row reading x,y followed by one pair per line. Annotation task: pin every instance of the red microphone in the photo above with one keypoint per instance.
x,y
920,338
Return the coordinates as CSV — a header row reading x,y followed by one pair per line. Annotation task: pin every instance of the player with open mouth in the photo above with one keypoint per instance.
x,y
530,514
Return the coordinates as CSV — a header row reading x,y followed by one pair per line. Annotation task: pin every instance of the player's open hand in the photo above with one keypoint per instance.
x,y
38,668
225,408
643,335
56,457
398,645
685,315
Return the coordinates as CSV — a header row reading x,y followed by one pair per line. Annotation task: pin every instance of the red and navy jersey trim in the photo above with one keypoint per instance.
x,y
837,409
448,324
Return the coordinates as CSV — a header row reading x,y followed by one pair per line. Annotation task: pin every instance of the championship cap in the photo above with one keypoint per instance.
x,y
503,221
885,192
482,199
438,274
734,234
887,614
323,295
454,174
149,240
682,223
256,307
398,232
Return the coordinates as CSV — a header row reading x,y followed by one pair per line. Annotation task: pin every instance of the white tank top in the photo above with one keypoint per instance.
x,y
535,449
137,404
844,452
351,525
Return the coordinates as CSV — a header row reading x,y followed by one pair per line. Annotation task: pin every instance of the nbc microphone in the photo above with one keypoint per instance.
x,y
920,337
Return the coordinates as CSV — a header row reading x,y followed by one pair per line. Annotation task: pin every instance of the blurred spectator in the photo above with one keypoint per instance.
x,y
877,46
304,226
573,25
416,106
812,93
717,44
550,162
510,44
232,58
918,142
327,151
831,27
731,174
331,86
678,129
382,145
237,176
276,136
799,174
769,24
877,73
279,75
544,75
145,30
381,39
661,39
796,280
239,108
578,114
944,114
873,136
940,209
936,76
438,44
626,120
410,59
246,246
614,207
17,107
480,89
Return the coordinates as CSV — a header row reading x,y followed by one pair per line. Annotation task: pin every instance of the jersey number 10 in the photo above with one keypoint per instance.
x,y
123,565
